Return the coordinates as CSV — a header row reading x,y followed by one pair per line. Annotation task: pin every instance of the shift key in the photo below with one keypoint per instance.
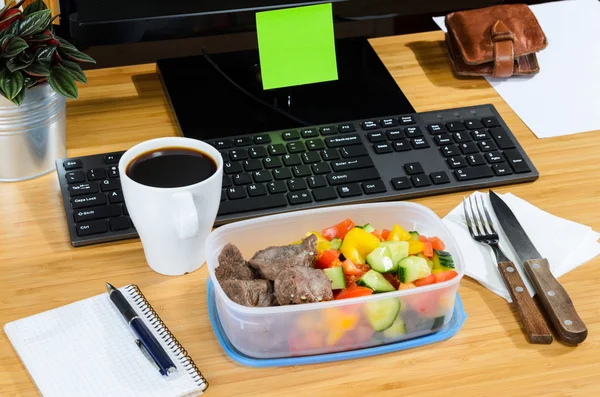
x,y
366,174
88,214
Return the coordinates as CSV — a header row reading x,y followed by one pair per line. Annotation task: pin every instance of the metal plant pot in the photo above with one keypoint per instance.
x,y
33,135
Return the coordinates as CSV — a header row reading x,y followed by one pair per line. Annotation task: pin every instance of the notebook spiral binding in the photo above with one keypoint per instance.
x,y
163,332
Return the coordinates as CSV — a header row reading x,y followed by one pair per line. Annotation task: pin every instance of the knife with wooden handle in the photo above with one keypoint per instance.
x,y
555,300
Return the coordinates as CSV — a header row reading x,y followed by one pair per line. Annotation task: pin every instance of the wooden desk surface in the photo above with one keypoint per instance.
x,y
40,270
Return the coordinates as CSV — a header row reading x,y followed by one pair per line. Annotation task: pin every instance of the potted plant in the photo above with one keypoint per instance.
x,y
38,71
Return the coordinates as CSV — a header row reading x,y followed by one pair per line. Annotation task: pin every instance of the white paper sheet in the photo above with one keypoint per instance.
x,y
564,97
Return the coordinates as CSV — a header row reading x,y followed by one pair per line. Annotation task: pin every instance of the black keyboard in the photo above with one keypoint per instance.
x,y
390,158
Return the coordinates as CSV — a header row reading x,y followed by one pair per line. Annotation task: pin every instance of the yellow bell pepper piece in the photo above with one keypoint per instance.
x,y
338,323
398,234
414,247
320,239
357,244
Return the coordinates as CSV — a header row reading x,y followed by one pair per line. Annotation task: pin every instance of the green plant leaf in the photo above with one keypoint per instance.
x,y
63,82
4,42
37,5
11,83
14,64
45,52
35,22
6,7
65,44
15,46
13,30
38,69
76,55
18,99
40,38
75,70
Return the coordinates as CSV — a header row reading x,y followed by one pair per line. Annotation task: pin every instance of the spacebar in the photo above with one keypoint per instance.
x,y
252,204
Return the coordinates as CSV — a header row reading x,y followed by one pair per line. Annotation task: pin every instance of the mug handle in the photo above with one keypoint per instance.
x,y
186,215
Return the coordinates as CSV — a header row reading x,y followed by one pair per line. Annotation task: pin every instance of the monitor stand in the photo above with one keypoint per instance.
x,y
208,106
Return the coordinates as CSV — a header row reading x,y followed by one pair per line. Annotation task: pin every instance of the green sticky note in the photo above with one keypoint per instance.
x,y
296,46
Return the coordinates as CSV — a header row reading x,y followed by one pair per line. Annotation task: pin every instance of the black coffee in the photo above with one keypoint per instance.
x,y
171,167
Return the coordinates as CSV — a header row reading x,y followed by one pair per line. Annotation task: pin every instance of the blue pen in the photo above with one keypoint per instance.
x,y
146,342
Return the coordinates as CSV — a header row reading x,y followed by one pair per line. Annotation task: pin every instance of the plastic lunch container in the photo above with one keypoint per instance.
x,y
333,326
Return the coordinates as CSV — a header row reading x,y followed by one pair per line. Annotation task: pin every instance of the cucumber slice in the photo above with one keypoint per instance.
x,y
445,260
382,313
368,228
375,281
399,249
335,244
336,275
396,330
414,235
412,268
438,323
380,259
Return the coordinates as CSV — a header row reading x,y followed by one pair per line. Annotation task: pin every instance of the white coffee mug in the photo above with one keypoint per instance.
x,y
173,223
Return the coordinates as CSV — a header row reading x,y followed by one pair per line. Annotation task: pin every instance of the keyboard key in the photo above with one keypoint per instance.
x,y
401,183
353,151
324,193
437,128
349,190
243,141
468,148
252,165
490,122
112,158
282,173
223,195
316,181
290,135
502,169
502,139
299,197
223,144
354,164
291,159
115,197
381,148
346,140
494,157
454,126
460,137
516,161
113,171
487,145
470,173
309,133
257,152
405,120
262,176
376,137
420,180
241,179
277,150
296,147
330,154
72,164
89,228
256,190
110,184
365,174
277,187
91,200
413,168
301,170
330,130
311,157
75,177
456,162
374,187
473,124
232,167
90,214
262,139
443,139
96,173
125,211
272,162
389,123
315,144
226,181
413,132
419,143
321,168
225,156
346,127
395,134
236,192
475,159
480,135
449,150
369,125
80,189
120,223
439,178
252,204
238,154
401,146
297,184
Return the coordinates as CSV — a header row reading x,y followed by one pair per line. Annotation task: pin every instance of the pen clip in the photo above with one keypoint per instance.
x,y
145,353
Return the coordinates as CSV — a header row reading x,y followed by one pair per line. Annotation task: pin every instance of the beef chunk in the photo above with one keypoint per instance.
x,y
254,293
270,261
302,285
232,265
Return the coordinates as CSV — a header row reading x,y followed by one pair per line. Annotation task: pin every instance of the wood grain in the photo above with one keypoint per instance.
x,y
40,270
556,301
532,318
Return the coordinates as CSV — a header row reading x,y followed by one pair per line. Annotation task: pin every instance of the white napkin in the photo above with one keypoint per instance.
x,y
564,243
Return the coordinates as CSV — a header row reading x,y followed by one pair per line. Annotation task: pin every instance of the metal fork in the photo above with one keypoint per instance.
x,y
481,227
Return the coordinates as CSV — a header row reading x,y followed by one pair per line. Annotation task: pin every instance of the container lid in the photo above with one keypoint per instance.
x,y
449,330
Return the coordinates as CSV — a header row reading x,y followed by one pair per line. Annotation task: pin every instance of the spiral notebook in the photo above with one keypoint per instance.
x,y
87,349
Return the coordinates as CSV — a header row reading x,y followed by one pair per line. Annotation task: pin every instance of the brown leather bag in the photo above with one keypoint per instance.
x,y
498,41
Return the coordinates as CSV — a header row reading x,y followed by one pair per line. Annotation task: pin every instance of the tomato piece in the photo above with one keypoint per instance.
x,y
378,234
423,238
328,259
392,278
437,243
354,292
431,279
385,233
338,230
427,249
350,268
445,275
